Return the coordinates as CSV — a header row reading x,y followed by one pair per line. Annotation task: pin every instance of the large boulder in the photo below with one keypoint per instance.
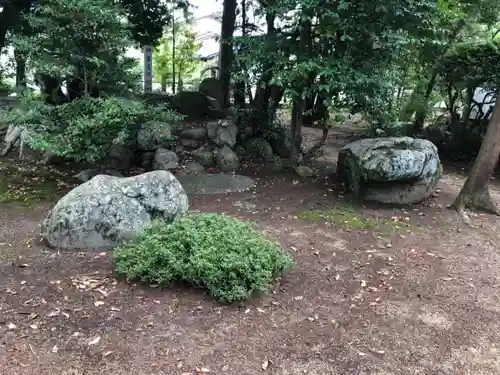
x,y
107,211
400,170
222,132
212,87
196,106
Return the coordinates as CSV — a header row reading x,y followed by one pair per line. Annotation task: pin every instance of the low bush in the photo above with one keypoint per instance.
x,y
85,129
228,257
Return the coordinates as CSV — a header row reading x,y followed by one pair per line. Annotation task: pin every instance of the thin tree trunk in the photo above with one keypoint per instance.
x,y
240,86
226,49
173,56
163,82
20,68
296,127
418,125
8,18
475,193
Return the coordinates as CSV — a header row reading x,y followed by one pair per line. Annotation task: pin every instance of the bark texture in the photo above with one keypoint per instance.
x,y
475,193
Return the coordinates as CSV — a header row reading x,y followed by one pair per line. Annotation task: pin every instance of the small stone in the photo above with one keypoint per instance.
x,y
165,160
197,134
189,144
204,157
193,167
222,132
304,171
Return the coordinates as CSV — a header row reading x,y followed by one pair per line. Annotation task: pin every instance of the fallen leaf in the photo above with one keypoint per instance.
x,y
265,365
94,341
54,313
33,316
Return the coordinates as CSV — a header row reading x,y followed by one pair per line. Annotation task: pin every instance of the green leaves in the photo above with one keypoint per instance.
x,y
86,128
472,64
228,257
186,46
78,40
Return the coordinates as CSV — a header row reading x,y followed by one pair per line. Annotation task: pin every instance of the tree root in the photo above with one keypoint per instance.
x,y
479,201
482,201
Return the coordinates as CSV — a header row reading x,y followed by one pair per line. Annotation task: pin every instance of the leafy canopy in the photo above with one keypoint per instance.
x,y
184,60
82,40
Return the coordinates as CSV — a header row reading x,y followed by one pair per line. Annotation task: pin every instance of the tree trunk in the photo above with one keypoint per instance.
x,y
475,193
20,68
163,82
296,127
226,49
173,56
240,85
180,83
418,125
308,117
8,17
51,90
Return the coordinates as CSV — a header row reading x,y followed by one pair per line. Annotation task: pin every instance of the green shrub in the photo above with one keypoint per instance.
x,y
228,257
86,128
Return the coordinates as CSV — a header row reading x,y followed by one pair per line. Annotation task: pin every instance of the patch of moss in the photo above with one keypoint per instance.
x,y
347,217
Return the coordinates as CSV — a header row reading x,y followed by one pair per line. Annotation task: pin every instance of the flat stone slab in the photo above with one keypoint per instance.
x,y
215,183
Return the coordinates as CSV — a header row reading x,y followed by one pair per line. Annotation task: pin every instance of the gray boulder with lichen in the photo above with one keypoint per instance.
x,y
108,211
399,170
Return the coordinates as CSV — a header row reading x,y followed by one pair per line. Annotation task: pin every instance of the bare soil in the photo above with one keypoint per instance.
x,y
376,291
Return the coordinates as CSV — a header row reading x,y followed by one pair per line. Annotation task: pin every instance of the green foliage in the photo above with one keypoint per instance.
x,y
80,42
472,64
148,18
183,60
228,257
86,128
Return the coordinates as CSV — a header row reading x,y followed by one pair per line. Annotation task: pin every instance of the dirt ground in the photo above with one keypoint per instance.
x,y
376,291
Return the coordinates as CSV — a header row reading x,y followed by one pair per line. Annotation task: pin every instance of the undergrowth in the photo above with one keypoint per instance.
x,y
228,257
